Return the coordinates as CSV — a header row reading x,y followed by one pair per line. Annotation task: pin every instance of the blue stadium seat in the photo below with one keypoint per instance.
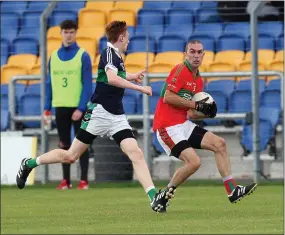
x,y
139,104
58,16
4,59
179,16
19,90
171,43
130,101
222,103
225,86
131,30
245,85
154,31
73,6
239,103
138,44
9,25
157,5
156,90
25,45
207,41
280,42
185,30
230,42
4,96
265,133
11,6
102,44
271,28
150,17
37,5
268,119
264,42
209,4
186,5
33,89
9,20
156,144
205,15
30,105
4,47
271,99
240,29
210,29
274,85
4,119
31,19
29,32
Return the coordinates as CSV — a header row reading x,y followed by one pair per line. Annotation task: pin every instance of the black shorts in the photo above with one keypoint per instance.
x,y
87,138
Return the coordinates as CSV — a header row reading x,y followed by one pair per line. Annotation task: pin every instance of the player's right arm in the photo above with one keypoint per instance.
x,y
111,64
115,80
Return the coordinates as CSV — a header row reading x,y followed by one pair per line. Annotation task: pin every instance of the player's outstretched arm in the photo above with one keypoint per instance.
x,y
115,80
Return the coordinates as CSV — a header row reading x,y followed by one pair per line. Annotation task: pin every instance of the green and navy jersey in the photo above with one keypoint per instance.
x,y
110,97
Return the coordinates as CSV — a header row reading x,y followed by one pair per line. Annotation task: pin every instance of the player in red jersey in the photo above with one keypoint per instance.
x,y
179,136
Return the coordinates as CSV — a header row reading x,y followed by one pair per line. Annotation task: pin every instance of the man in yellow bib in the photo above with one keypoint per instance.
x,y
69,88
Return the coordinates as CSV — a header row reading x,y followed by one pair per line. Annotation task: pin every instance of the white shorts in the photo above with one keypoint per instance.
x,y
99,122
169,137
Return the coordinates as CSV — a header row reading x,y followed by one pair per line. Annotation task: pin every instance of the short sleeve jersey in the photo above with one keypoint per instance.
x,y
184,83
110,97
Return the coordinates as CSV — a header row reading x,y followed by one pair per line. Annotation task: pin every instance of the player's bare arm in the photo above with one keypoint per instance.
x,y
136,77
173,99
115,80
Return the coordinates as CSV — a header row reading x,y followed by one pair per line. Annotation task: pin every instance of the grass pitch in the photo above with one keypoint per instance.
x,y
124,208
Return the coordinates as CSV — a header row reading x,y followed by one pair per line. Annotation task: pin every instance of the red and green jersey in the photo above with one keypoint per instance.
x,y
185,83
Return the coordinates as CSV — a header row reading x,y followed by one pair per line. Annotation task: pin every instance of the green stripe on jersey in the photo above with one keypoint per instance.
x,y
87,116
102,76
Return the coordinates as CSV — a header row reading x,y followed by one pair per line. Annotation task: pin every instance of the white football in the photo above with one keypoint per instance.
x,y
200,96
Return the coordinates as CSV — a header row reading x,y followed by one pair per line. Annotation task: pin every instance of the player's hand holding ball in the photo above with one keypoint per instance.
x,y
205,105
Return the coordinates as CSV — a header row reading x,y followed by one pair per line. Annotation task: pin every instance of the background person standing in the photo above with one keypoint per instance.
x,y
68,89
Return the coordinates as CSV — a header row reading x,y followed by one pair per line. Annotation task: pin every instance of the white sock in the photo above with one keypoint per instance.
x,y
227,178
149,188
38,161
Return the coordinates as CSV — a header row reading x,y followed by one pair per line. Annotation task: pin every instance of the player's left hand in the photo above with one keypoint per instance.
x,y
77,114
212,111
138,77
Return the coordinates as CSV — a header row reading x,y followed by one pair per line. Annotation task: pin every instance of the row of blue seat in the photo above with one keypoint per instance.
x,y
176,42
21,6
230,97
149,17
27,45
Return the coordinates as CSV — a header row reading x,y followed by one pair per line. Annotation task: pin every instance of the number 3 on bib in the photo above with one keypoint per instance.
x,y
64,82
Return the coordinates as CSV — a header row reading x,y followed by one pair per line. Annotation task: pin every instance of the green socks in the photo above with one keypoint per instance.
x,y
32,163
151,193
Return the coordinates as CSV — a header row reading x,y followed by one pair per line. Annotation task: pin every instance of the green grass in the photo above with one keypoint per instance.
x,y
199,209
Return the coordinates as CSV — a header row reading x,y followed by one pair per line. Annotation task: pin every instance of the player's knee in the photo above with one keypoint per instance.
x,y
192,161
70,157
195,162
220,145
